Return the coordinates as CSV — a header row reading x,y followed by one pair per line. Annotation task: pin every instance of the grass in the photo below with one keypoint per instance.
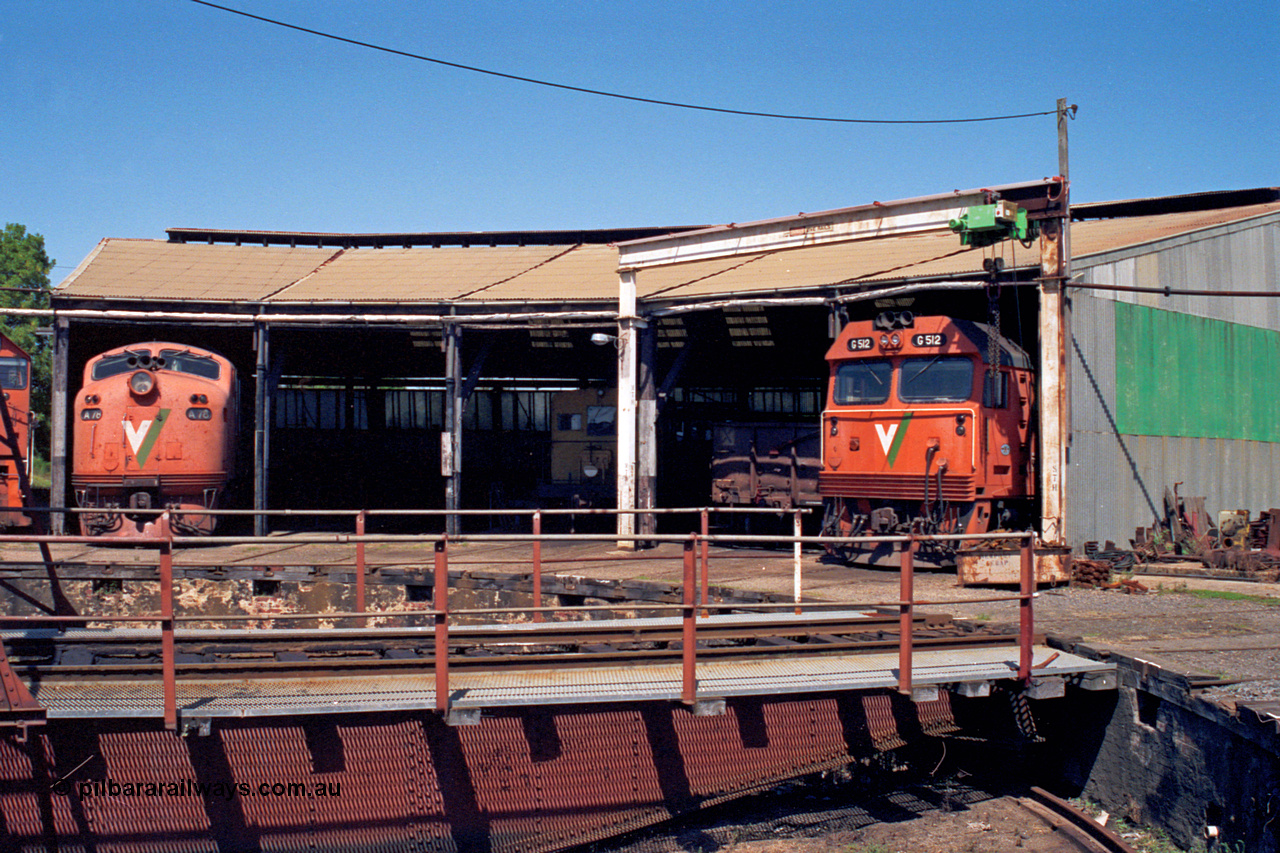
x,y
40,475
1223,595
1143,839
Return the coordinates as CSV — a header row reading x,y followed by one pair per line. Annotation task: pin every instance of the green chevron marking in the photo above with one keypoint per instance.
x,y
897,439
153,434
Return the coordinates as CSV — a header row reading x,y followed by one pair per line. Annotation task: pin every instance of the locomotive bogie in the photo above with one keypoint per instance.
x,y
155,429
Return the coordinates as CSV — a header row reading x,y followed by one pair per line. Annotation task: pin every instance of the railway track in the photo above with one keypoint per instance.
x,y
127,654
1079,827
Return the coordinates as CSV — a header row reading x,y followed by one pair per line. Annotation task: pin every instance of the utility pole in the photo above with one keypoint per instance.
x,y
1064,171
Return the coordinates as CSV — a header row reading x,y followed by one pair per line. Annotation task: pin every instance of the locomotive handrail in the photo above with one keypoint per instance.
x,y
440,614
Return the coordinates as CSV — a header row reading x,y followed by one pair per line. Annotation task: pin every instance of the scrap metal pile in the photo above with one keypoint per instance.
x,y
1187,533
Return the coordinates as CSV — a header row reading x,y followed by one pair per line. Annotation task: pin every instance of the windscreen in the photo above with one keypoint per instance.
x,y
941,379
13,373
862,382
188,362
117,363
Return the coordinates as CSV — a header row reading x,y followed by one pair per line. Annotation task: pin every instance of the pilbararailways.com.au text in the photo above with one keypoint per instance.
x,y
192,788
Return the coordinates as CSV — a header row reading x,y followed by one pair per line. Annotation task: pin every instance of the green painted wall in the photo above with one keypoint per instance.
x,y
1180,375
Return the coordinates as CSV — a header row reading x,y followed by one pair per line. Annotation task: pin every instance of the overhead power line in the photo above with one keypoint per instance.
x,y
604,94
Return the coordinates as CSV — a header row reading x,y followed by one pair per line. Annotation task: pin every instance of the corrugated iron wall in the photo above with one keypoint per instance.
x,y
537,780
1116,479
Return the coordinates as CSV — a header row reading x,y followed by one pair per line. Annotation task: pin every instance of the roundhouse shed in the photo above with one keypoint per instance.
x,y
459,370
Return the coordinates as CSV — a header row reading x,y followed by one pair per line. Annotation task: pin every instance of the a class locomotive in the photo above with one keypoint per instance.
x,y
155,429
929,427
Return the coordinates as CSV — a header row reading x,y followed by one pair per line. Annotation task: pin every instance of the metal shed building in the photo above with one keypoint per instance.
x,y
1175,397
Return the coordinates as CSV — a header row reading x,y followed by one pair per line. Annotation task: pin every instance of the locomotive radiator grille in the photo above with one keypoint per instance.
x,y
202,480
896,486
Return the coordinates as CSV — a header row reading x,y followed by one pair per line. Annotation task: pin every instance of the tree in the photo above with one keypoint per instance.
x,y
24,283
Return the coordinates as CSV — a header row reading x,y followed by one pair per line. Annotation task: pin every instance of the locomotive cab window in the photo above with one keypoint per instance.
x,y
13,373
941,379
121,362
862,382
188,362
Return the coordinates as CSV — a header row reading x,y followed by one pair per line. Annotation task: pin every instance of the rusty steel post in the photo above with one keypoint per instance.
x,y
1026,624
537,564
360,563
167,651
796,581
706,556
20,705
689,687
440,604
906,596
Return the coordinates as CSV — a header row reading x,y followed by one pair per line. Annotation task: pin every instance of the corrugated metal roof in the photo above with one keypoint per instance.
x,y
496,274
893,258
154,270
1096,237
157,271
815,266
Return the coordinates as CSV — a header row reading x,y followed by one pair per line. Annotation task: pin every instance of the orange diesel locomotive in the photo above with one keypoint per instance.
x,y
15,430
921,435
155,429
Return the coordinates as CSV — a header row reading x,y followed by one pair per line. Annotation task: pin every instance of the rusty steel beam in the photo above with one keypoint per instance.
x,y
537,566
1026,624
906,597
689,683
168,655
360,562
440,594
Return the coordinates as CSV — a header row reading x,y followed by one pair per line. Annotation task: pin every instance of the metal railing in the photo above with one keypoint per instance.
x,y
694,586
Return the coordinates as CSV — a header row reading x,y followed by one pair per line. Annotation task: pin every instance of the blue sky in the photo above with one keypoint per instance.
x,y
125,118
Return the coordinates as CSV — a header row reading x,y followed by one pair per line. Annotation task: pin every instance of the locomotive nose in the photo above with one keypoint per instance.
x,y
142,383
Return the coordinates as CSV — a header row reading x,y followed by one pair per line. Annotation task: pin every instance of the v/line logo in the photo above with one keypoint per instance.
x,y
891,436
142,438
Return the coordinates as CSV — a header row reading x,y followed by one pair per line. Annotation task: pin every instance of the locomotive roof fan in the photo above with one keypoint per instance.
x,y
887,321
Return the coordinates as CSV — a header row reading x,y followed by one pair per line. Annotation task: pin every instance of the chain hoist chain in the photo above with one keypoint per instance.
x,y
994,267
993,340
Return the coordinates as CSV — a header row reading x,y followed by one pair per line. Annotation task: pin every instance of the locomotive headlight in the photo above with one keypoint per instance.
x,y
198,414
141,383
896,340
884,340
91,414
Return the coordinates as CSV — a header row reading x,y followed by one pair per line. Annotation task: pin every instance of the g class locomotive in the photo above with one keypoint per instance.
x,y
928,428
155,428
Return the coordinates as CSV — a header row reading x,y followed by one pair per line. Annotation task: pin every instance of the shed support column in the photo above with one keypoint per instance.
x,y
1055,434
261,426
647,431
1052,422
59,523
627,359
451,438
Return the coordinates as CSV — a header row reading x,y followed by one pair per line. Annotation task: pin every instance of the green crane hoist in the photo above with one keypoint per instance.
x,y
987,224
